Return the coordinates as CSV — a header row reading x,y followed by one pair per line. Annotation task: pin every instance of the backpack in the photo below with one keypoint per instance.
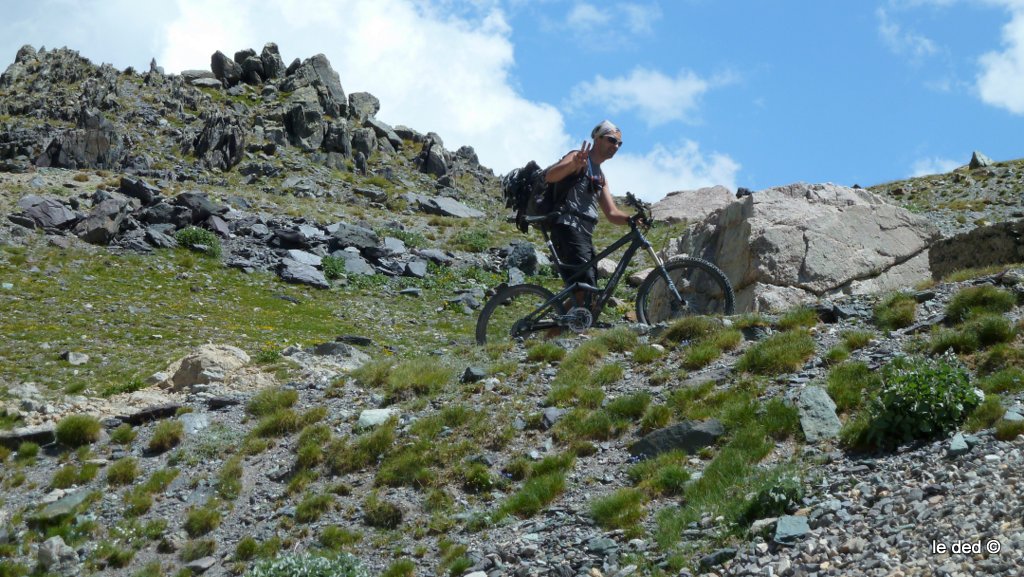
x,y
525,191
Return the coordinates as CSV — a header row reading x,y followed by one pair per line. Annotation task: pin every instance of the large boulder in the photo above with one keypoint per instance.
x,y
792,244
95,143
104,221
317,72
996,244
225,69
221,143
691,205
304,120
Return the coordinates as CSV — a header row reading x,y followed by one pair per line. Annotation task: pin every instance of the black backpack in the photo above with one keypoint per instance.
x,y
526,192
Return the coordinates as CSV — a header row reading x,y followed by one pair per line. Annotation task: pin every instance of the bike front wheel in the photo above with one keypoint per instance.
x,y
704,288
506,315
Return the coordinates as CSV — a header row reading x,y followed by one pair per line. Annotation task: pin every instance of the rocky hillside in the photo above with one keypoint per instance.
x,y
238,313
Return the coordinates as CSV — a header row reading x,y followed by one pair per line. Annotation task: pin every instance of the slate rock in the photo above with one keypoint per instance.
x,y
690,436
958,446
415,269
347,235
294,271
818,415
374,417
791,528
473,374
716,558
137,188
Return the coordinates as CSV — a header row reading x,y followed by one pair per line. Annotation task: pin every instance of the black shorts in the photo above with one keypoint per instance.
x,y
574,248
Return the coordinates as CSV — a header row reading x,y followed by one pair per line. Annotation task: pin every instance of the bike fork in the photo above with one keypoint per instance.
x,y
677,301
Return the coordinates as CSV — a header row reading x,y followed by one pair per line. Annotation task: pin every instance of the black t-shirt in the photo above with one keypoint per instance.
x,y
581,191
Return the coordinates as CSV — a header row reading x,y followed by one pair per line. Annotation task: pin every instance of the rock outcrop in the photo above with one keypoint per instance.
x,y
1001,243
792,244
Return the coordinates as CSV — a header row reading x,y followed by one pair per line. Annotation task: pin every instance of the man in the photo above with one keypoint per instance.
x,y
580,182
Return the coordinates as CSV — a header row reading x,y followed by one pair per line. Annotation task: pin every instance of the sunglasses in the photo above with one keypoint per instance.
x,y
613,140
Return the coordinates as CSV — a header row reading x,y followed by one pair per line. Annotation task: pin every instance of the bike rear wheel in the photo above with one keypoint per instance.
x,y
703,286
502,317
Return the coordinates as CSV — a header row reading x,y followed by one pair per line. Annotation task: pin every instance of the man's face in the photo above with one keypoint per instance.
x,y
610,143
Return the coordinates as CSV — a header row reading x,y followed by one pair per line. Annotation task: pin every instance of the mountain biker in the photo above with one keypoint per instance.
x,y
579,180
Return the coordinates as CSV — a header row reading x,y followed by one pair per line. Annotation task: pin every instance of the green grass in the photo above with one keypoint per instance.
x,y
896,311
312,507
798,318
123,471
166,436
623,509
1010,380
974,300
780,353
78,430
201,520
847,384
547,352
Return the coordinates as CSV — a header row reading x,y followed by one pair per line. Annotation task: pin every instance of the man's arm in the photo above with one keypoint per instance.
x,y
570,164
611,212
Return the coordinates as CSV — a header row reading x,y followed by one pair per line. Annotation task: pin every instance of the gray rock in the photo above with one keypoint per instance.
x,y
62,508
225,69
347,235
104,222
523,256
416,269
362,105
194,422
602,546
74,358
716,558
304,257
296,272
473,374
47,213
374,417
55,556
201,565
444,206
818,415
689,436
791,528
137,188
958,446
551,416
979,160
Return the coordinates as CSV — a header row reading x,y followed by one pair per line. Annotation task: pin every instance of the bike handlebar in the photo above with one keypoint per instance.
x,y
643,209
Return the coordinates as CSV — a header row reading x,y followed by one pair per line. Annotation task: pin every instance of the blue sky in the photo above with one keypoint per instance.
x,y
738,93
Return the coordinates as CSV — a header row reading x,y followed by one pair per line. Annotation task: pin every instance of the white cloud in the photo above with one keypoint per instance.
x,y
640,18
933,165
441,66
903,42
431,70
1001,80
584,16
655,97
663,170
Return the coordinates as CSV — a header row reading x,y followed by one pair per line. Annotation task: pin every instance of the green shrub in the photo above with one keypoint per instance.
x,y
78,430
780,420
979,299
124,434
336,538
920,398
848,382
1009,380
991,329
270,400
837,354
896,311
774,499
166,436
312,507
986,414
1009,430
630,407
123,471
197,549
645,354
545,351
856,340
472,240
27,451
247,548
200,521
334,267
780,353
381,514
798,318
477,478
400,568
691,329
70,475
623,509
656,417
229,480
199,240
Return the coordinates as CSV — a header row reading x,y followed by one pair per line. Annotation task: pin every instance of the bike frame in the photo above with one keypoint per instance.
x,y
636,240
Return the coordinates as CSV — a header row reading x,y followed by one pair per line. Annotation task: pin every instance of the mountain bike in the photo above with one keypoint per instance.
x,y
683,286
